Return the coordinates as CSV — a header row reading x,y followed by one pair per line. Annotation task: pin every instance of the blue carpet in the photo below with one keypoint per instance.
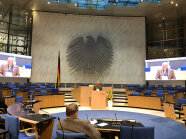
x,y
164,128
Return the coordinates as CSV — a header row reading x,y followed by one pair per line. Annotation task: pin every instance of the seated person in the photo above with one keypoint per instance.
x,y
98,86
74,125
165,73
9,69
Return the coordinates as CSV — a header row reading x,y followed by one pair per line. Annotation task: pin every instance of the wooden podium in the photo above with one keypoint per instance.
x,y
82,94
98,100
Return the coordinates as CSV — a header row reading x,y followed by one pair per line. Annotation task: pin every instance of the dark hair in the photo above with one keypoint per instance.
x,y
71,109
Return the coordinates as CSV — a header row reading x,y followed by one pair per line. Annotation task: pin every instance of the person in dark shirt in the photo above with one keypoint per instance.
x,y
98,86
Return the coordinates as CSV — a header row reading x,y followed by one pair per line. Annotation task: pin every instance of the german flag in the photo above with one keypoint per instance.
x,y
58,71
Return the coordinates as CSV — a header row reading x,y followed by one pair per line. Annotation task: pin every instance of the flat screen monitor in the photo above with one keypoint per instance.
x,y
166,69
13,65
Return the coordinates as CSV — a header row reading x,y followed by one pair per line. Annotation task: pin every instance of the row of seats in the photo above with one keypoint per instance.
x,y
13,126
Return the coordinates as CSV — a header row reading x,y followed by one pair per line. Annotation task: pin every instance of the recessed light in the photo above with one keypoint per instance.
x,y
176,4
26,13
172,2
75,4
48,2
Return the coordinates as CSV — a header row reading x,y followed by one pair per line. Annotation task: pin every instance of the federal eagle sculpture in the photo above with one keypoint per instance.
x,y
88,55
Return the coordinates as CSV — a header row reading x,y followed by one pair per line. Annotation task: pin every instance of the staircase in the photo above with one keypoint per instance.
x,y
119,99
68,98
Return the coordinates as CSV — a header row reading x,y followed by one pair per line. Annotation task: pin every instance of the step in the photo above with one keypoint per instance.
x,y
70,100
67,94
120,97
120,100
119,104
68,97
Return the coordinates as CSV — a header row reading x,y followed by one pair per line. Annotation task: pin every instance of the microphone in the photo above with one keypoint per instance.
x,y
116,123
87,116
116,118
61,127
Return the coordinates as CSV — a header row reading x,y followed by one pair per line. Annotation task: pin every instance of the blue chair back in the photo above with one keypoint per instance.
x,y
12,125
37,89
160,94
135,93
136,132
171,92
43,92
131,88
49,89
159,91
181,101
55,90
19,99
70,135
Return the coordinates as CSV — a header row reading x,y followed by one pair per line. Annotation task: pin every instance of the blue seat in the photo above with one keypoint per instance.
x,y
171,92
19,99
71,135
26,89
180,102
159,94
37,89
131,88
147,93
55,90
43,92
159,91
49,89
127,132
43,87
135,93
12,125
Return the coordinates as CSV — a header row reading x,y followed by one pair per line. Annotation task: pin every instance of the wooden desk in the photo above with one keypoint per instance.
x,y
9,100
51,100
98,100
42,124
169,110
145,102
82,94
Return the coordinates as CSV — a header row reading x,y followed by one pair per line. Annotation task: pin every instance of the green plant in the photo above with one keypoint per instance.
x,y
109,94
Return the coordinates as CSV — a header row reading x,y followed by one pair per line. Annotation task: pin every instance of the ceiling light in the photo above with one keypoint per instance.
x,y
48,2
176,4
172,2
75,4
26,13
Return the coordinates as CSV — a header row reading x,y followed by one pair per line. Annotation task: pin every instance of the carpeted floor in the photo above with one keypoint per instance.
x,y
164,128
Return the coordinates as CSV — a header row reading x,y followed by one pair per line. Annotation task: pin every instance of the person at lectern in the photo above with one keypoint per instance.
x,y
98,86
9,69
74,125
165,73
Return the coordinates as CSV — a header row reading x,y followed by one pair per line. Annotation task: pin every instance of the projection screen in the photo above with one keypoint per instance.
x,y
53,32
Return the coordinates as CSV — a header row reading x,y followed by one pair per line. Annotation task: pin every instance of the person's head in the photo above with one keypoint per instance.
x,y
10,61
98,83
72,110
165,65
